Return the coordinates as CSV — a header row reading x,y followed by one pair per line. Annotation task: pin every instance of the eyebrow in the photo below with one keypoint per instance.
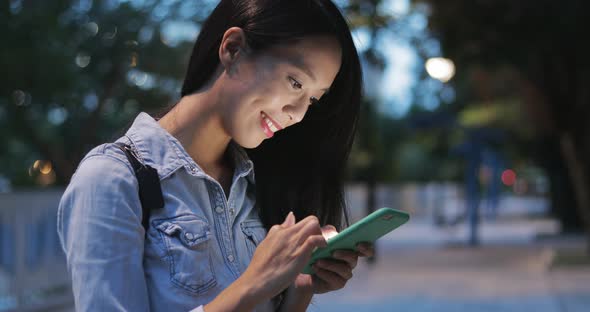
x,y
298,62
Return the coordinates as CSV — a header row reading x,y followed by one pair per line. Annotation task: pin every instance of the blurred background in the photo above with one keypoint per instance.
x,y
475,120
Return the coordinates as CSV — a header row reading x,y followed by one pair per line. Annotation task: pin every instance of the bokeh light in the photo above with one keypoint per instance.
x,y
42,172
508,177
91,28
440,68
82,59
46,168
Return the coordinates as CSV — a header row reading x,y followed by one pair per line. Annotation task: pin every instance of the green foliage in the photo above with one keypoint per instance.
x,y
74,76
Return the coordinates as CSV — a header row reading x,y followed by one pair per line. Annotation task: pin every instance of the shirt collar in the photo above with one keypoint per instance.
x,y
159,149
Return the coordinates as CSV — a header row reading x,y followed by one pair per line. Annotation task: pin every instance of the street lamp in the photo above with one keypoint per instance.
x,y
440,68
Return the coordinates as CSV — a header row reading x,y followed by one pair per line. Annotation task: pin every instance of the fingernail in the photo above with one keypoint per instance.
x,y
290,219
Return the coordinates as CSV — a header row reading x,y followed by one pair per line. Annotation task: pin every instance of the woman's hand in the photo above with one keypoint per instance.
x,y
276,263
333,273
284,252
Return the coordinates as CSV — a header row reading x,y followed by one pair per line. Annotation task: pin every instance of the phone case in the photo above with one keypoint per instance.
x,y
368,229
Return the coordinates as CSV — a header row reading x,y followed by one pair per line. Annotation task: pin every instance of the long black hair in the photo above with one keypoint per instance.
x,y
301,169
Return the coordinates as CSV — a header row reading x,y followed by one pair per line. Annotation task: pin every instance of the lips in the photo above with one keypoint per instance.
x,y
269,126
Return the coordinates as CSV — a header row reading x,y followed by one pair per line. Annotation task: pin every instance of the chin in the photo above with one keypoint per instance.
x,y
248,143
250,146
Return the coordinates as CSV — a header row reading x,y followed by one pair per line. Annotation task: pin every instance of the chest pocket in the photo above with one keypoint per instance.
x,y
255,232
186,242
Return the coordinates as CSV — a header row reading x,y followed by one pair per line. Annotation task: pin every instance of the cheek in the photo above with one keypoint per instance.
x,y
240,114
247,98
265,96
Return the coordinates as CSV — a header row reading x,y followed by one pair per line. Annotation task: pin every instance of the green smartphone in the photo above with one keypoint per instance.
x,y
368,229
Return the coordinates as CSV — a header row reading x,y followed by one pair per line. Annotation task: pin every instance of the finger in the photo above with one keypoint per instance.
x,y
320,285
289,220
309,221
335,266
305,228
300,232
312,242
312,222
274,229
366,249
329,228
329,231
287,223
333,280
350,257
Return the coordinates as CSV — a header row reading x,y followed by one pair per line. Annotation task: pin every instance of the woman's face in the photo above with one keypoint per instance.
x,y
270,91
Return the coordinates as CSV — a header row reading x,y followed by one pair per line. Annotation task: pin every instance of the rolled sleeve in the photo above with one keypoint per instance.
x,y
99,225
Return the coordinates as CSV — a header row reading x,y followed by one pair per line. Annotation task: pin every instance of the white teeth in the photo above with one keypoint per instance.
x,y
269,123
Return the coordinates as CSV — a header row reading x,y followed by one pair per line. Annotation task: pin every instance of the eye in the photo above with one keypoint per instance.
x,y
295,84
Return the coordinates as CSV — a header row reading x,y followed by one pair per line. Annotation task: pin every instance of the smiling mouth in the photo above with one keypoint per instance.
x,y
268,125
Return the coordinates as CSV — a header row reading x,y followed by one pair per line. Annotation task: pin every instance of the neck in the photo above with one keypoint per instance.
x,y
197,126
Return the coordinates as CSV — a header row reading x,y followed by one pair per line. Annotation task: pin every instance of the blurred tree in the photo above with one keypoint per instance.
x,y
543,43
76,72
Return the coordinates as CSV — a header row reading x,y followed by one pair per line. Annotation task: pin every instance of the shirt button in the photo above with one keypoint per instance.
x,y
232,211
189,236
219,209
193,169
230,258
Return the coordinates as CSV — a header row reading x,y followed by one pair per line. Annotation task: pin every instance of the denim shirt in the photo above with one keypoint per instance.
x,y
197,245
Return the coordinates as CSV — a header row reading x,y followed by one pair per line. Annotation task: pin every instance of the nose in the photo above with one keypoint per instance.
x,y
296,110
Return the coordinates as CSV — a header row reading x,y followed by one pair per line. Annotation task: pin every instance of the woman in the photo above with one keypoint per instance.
x,y
227,238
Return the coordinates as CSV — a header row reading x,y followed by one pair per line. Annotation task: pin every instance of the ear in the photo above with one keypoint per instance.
x,y
232,47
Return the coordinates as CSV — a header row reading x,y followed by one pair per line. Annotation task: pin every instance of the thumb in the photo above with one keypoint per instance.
x,y
289,220
329,231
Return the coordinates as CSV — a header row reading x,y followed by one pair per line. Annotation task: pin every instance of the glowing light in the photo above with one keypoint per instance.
x,y
440,68
139,79
82,59
57,115
90,101
91,28
46,179
42,166
508,177
46,168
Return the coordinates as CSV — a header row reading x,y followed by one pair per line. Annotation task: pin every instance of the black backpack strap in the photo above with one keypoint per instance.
x,y
150,191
